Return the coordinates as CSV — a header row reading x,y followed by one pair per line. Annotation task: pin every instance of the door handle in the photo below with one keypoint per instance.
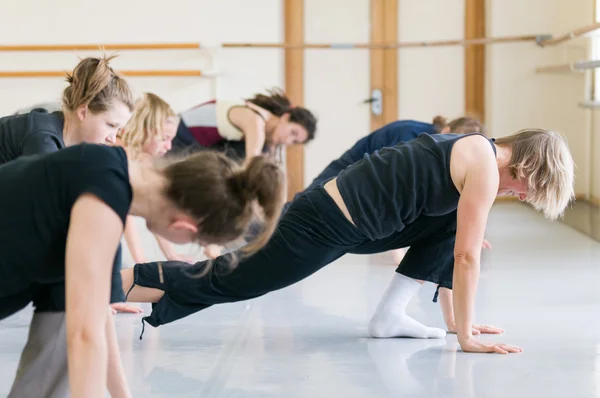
x,y
376,101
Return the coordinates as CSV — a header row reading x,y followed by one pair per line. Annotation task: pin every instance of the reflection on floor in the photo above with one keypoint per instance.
x,y
539,283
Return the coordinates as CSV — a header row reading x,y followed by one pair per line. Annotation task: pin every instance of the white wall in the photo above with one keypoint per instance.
x,y
204,21
430,79
135,21
336,81
518,97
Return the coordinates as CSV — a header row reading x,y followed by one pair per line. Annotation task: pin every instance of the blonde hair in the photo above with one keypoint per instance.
x,y
95,84
542,158
149,114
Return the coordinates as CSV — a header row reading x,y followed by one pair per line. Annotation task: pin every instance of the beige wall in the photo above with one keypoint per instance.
x,y
205,21
431,80
518,97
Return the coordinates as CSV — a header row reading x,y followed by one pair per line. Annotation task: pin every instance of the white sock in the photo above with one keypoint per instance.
x,y
390,319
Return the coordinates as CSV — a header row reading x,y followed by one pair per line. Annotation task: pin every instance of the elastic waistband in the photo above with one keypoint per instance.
x,y
331,215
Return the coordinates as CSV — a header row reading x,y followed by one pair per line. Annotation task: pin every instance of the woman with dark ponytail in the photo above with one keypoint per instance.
x,y
62,224
261,123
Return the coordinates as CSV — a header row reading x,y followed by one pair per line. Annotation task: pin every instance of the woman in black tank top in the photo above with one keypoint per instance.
x,y
431,194
89,190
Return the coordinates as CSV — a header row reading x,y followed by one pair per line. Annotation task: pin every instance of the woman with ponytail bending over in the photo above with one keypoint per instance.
x,y
95,105
262,122
62,224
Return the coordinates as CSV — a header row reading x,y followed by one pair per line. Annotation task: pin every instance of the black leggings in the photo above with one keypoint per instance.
x,y
312,234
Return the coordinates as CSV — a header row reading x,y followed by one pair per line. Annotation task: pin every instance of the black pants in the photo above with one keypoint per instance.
x,y
311,234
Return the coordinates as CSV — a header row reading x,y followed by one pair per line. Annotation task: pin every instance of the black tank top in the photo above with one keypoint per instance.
x,y
392,187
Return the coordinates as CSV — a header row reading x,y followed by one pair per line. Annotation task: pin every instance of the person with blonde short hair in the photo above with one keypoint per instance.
x,y
433,193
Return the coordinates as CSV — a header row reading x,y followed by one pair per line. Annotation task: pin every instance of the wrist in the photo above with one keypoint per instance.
x,y
463,337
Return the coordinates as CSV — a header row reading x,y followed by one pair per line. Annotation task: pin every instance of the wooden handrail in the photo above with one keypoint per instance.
x,y
542,40
573,67
130,73
577,33
94,47
433,43
192,46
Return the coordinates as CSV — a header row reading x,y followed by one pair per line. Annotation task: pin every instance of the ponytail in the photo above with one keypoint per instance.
x,y
461,125
225,197
262,181
95,84
439,123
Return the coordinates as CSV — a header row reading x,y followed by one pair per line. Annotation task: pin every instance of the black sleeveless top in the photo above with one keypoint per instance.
x,y
392,187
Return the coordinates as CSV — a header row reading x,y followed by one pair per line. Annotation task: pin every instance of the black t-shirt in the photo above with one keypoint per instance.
x,y
30,133
38,193
392,187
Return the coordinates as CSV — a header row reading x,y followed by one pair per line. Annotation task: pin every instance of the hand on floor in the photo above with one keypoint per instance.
x,y
479,329
126,308
473,345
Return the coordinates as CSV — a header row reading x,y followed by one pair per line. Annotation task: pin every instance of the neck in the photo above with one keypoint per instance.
x,y
70,136
271,124
148,186
503,155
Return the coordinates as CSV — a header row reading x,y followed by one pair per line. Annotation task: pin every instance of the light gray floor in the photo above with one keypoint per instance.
x,y
540,283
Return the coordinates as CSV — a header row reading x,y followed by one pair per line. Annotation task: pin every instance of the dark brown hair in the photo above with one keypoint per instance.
x,y
225,197
95,84
279,104
462,125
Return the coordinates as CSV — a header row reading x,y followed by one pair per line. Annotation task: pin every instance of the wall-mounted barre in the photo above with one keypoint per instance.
x,y
574,34
95,47
542,40
130,73
196,46
435,43
573,67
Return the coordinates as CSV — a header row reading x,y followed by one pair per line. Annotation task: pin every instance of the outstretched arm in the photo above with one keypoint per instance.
x,y
94,233
133,241
116,380
479,190
446,305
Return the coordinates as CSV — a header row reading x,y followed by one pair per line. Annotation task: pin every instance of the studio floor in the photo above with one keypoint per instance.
x,y
539,283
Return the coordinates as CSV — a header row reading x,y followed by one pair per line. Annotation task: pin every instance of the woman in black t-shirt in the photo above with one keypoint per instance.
x,y
71,207
95,105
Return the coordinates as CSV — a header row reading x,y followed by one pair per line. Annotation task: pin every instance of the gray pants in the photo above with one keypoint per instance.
x,y
43,370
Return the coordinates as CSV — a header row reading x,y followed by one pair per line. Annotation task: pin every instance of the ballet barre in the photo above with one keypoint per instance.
x,y
575,34
95,47
540,39
388,46
129,73
572,67
333,46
